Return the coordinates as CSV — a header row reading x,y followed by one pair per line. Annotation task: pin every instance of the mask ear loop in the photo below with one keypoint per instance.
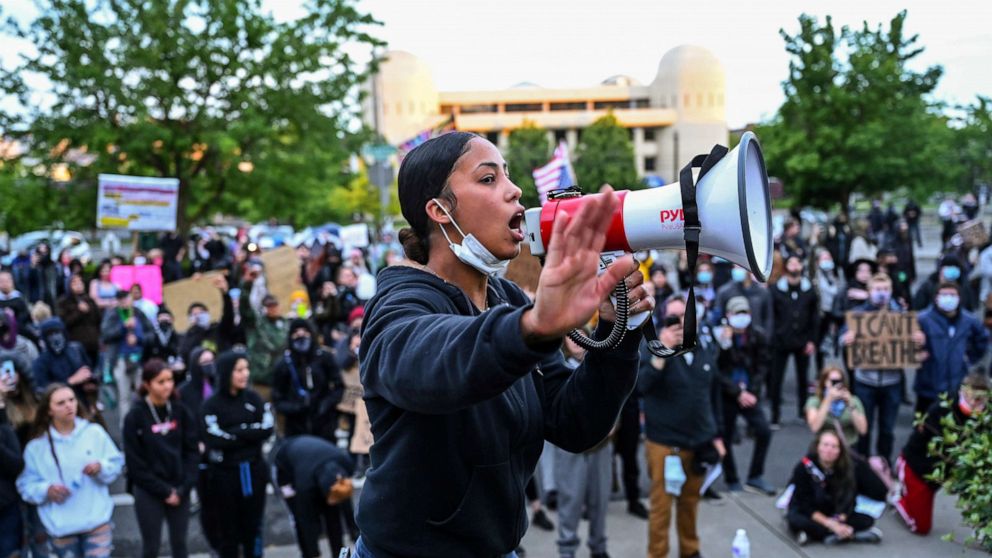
x,y
453,222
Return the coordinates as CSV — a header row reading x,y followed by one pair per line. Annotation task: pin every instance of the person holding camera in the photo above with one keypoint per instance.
x,y
463,375
834,404
682,412
743,363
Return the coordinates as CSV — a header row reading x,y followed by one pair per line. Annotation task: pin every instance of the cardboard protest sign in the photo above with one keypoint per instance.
x,y
525,269
282,274
148,276
362,439
973,233
178,295
882,340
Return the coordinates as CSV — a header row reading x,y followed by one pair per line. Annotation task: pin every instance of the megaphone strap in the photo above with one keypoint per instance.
x,y
691,235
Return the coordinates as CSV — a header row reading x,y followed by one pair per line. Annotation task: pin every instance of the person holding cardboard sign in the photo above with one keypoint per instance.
x,y
879,389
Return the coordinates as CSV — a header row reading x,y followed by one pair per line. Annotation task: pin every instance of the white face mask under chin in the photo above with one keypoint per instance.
x,y
471,252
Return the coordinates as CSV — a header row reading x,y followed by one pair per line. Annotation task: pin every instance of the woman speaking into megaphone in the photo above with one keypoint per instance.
x,y
463,376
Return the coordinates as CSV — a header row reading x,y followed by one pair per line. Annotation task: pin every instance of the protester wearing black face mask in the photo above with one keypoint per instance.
x,y
164,344
65,362
306,385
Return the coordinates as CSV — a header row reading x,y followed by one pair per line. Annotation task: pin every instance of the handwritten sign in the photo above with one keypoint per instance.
x,y
882,340
137,203
178,295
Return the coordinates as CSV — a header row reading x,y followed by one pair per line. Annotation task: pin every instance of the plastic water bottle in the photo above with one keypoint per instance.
x,y
741,547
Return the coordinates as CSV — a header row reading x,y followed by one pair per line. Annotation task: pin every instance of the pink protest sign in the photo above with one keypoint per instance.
x,y
148,276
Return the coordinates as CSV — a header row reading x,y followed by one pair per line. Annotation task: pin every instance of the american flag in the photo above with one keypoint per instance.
x,y
555,175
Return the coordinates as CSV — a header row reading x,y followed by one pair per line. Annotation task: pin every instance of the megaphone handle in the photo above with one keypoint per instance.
x,y
619,326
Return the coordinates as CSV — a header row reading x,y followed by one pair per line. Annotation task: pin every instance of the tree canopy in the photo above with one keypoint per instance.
x,y
606,156
862,123
528,149
254,116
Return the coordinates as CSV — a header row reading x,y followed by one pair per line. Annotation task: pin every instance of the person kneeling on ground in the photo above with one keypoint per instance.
x,y
314,476
916,463
822,506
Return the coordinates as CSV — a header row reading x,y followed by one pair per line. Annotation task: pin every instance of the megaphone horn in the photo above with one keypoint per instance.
x,y
733,205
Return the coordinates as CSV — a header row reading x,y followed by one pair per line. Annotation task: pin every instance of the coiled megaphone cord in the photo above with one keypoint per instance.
x,y
619,325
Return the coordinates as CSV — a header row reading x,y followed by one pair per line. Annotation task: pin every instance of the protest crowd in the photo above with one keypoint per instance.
x,y
197,410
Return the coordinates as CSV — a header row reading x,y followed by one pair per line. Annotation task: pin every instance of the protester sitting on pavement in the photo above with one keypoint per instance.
x,y
68,469
833,404
682,413
314,477
822,507
743,364
306,385
916,463
64,361
463,375
955,341
880,391
160,450
797,321
235,423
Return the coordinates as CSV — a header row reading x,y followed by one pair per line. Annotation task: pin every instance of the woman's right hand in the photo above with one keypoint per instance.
x,y
173,499
58,493
569,289
841,529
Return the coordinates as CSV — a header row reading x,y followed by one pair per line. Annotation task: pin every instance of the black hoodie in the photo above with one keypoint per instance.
x,y
460,407
234,426
191,392
161,456
11,463
306,387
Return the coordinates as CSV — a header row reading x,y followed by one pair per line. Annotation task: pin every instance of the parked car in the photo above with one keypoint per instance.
x,y
58,240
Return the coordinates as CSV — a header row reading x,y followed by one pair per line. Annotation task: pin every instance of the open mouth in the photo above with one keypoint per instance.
x,y
516,226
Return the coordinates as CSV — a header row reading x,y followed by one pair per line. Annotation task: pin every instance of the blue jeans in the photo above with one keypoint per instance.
x,y
884,400
361,551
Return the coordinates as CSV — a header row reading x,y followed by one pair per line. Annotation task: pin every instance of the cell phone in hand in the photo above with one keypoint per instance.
x,y
7,371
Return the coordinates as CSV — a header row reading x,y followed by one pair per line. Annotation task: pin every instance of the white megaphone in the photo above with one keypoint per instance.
x,y
734,214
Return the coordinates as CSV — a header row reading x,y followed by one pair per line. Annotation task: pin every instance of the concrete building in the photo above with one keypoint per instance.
x,y
681,113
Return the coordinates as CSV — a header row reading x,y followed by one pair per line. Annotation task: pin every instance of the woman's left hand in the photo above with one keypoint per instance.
x,y
640,300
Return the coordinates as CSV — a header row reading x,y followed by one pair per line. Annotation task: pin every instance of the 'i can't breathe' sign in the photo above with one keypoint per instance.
x,y
882,340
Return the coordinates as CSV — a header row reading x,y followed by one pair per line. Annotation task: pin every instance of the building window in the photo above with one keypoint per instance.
x,y
446,109
471,109
524,107
630,133
603,105
581,105
560,136
399,108
642,103
675,100
650,164
711,99
493,137
685,100
648,134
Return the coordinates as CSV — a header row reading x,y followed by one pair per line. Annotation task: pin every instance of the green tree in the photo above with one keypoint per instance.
x,y
529,149
974,144
606,156
863,124
253,116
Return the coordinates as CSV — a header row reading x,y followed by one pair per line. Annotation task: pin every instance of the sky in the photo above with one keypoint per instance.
x,y
473,44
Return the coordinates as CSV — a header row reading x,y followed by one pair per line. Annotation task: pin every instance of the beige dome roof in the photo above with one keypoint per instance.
x,y
690,64
621,80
